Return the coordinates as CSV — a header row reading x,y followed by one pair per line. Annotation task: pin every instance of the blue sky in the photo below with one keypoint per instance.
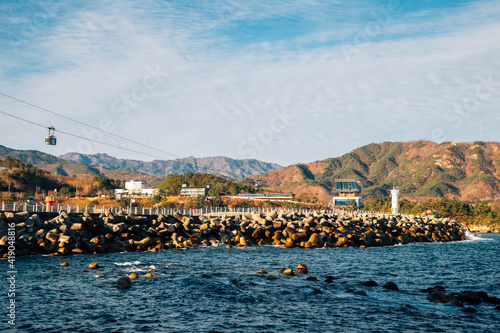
x,y
281,81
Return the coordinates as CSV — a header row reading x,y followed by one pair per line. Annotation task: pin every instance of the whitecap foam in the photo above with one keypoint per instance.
x,y
127,263
135,269
474,237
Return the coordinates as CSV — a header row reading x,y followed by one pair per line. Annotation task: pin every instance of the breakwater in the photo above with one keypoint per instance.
x,y
67,234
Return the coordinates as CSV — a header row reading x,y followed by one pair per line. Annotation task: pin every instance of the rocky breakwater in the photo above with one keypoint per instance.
x,y
85,233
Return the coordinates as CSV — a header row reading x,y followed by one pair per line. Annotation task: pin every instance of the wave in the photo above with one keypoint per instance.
x,y
128,263
474,237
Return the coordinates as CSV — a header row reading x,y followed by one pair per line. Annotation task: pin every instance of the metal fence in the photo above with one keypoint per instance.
x,y
41,208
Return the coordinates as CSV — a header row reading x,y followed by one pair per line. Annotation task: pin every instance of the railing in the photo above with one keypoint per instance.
x,y
41,208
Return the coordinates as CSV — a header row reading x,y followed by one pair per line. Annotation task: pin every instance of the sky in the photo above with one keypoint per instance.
x,y
279,81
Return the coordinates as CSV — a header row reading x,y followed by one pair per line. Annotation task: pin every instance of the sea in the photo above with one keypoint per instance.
x,y
216,289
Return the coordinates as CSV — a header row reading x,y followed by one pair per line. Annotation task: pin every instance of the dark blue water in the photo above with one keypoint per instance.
x,y
179,298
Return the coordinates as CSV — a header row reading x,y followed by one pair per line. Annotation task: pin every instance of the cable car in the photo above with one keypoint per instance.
x,y
51,139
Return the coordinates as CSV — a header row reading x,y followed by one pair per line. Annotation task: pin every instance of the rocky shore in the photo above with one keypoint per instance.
x,y
68,234
485,229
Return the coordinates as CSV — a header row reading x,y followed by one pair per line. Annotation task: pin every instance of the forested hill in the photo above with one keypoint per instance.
x,y
420,169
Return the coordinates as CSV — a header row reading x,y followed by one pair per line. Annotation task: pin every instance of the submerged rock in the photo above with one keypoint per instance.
x,y
469,310
438,297
301,269
391,286
470,297
124,283
370,284
93,265
360,293
493,300
456,302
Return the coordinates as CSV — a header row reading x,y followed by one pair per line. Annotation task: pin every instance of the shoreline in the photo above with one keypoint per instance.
x,y
484,229
68,234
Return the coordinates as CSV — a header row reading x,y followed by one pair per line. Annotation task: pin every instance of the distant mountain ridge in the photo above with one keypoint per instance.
x,y
52,164
224,166
75,163
31,157
420,169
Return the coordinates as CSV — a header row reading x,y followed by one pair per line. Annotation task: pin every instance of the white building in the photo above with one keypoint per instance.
x,y
135,185
187,191
266,196
136,189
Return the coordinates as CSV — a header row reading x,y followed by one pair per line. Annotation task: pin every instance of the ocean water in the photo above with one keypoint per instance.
x,y
194,290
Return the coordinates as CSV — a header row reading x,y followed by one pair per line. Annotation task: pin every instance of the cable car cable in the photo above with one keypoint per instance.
x,y
81,137
100,142
82,123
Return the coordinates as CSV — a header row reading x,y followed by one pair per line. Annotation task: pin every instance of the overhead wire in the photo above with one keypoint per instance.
x,y
93,127
97,141
81,137
87,125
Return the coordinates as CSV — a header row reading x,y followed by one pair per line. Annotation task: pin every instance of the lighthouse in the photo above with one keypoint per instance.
x,y
395,194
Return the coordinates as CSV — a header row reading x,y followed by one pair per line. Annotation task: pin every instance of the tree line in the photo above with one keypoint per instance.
x,y
468,213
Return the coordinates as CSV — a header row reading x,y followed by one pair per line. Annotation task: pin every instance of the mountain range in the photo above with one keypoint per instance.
x,y
420,169
75,163
228,167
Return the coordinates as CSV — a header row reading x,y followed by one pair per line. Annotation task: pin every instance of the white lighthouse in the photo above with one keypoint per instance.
x,y
395,194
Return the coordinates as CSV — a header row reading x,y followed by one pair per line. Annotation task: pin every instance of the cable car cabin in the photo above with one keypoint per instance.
x,y
50,140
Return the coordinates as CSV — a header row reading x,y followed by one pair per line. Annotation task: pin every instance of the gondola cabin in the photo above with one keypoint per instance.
x,y
51,139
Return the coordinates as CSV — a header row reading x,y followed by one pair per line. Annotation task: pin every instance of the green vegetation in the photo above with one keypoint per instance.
x,y
464,212
22,177
65,191
27,178
94,202
106,185
220,185
307,198
304,170
350,205
419,169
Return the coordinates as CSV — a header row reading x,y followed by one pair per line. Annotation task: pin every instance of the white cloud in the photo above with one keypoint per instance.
x,y
223,91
